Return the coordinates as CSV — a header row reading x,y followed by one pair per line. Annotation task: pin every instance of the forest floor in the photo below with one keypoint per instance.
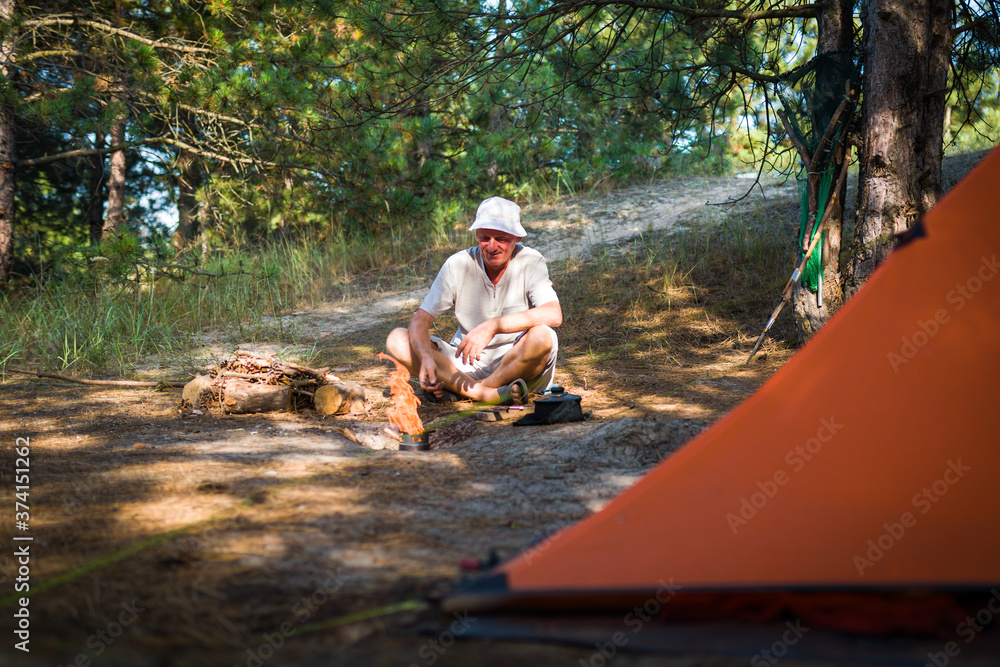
x,y
162,537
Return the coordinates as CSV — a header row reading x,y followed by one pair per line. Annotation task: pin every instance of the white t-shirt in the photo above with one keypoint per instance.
x,y
462,284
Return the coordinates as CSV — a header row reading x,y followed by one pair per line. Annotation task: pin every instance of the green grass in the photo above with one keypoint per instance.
x,y
107,317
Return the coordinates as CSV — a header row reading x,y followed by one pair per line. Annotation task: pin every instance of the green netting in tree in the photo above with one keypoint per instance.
x,y
814,267
810,99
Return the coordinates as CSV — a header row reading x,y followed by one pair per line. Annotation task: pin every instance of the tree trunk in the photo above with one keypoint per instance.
x,y
908,46
96,207
188,182
203,223
7,156
835,35
116,182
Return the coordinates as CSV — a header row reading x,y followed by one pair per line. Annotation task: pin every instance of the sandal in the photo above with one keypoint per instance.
x,y
506,397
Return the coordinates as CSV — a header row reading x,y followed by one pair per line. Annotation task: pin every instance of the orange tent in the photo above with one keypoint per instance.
x,y
855,487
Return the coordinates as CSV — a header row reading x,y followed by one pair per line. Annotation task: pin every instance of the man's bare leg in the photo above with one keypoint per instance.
x,y
398,345
525,360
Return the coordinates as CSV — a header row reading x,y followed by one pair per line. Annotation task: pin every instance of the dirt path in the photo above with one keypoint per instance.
x,y
580,227
225,529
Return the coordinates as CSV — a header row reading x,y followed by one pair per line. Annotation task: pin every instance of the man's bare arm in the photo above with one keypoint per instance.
x,y
549,314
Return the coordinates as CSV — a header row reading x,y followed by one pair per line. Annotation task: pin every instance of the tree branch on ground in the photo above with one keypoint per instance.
x,y
177,384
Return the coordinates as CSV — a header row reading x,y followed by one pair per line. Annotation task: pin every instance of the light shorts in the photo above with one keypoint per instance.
x,y
492,356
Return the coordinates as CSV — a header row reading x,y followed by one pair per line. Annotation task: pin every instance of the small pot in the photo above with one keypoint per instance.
x,y
415,443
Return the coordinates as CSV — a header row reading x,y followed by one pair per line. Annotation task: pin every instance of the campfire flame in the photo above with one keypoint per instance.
x,y
403,413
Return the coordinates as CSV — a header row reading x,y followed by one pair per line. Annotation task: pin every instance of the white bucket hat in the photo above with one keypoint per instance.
x,y
500,214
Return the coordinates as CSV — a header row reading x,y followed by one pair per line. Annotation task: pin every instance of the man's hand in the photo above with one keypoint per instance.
x,y
472,346
420,342
428,377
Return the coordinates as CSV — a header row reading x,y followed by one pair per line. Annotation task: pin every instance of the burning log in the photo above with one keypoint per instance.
x,y
403,413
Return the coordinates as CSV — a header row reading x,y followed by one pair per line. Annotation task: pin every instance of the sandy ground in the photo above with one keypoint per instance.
x,y
162,537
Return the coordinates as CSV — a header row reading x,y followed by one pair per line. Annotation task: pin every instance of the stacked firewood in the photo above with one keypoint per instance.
x,y
251,383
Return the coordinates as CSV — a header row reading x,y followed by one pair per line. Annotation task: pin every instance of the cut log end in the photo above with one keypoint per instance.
x,y
340,398
198,391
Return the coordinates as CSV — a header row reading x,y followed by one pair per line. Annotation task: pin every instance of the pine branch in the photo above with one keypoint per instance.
x,y
798,11
38,55
85,152
69,20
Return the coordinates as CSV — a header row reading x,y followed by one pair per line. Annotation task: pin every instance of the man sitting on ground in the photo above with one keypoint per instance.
x,y
506,310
